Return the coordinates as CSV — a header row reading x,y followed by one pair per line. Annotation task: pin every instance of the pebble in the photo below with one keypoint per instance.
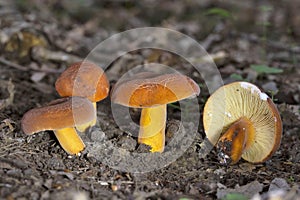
x,y
270,86
127,143
56,164
279,183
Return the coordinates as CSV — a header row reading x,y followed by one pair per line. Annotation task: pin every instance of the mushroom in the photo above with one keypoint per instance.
x,y
61,116
84,79
242,122
152,93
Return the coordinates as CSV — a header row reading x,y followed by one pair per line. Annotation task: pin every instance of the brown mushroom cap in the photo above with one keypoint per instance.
x,y
83,79
149,89
241,99
58,114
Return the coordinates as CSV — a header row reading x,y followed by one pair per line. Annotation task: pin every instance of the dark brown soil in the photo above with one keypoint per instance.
x,y
39,40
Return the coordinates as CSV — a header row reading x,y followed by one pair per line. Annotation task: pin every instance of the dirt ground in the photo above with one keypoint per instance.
x,y
39,40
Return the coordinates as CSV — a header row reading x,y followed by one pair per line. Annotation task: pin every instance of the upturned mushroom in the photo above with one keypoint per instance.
x,y
152,93
84,79
242,122
61,116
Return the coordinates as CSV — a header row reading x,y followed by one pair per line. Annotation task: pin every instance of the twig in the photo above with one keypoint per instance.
x,y
11,64
40,54
114,182
9,86
21,68
15,144
210,40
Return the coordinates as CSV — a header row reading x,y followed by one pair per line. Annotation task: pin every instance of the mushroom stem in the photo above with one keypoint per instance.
x,y
235,141
69,140
152,127
83,127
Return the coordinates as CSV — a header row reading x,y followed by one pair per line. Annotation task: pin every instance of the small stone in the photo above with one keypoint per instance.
x,y
29,172
270,86
248,190
55,163
14,172
220,172
97,136
279,184
127,143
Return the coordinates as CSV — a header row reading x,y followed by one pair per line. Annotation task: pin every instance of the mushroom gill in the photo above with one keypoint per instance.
x,y
242,100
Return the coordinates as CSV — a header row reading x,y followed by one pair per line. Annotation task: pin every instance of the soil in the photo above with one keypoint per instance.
x,y
39,40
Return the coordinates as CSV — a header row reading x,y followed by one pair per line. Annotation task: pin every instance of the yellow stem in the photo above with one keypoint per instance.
x,y
83,127
235,140
152,127
69,140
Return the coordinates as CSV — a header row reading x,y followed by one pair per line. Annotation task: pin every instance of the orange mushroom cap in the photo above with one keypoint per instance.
x,y
83,79
58,114
244,101
149,89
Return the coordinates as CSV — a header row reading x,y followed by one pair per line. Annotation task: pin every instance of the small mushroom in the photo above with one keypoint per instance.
x,y
84,79
152,93
61,116
242,122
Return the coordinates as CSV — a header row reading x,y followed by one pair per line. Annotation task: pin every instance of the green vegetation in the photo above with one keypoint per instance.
x,y
264,69
234,196
219,12
291,179
237,77
273,93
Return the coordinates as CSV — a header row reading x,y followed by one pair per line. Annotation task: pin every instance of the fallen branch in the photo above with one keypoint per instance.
x,y
10,87
21,68
11,64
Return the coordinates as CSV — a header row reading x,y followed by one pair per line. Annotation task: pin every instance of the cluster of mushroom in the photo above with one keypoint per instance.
x,y
239,119
84,83
81,85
